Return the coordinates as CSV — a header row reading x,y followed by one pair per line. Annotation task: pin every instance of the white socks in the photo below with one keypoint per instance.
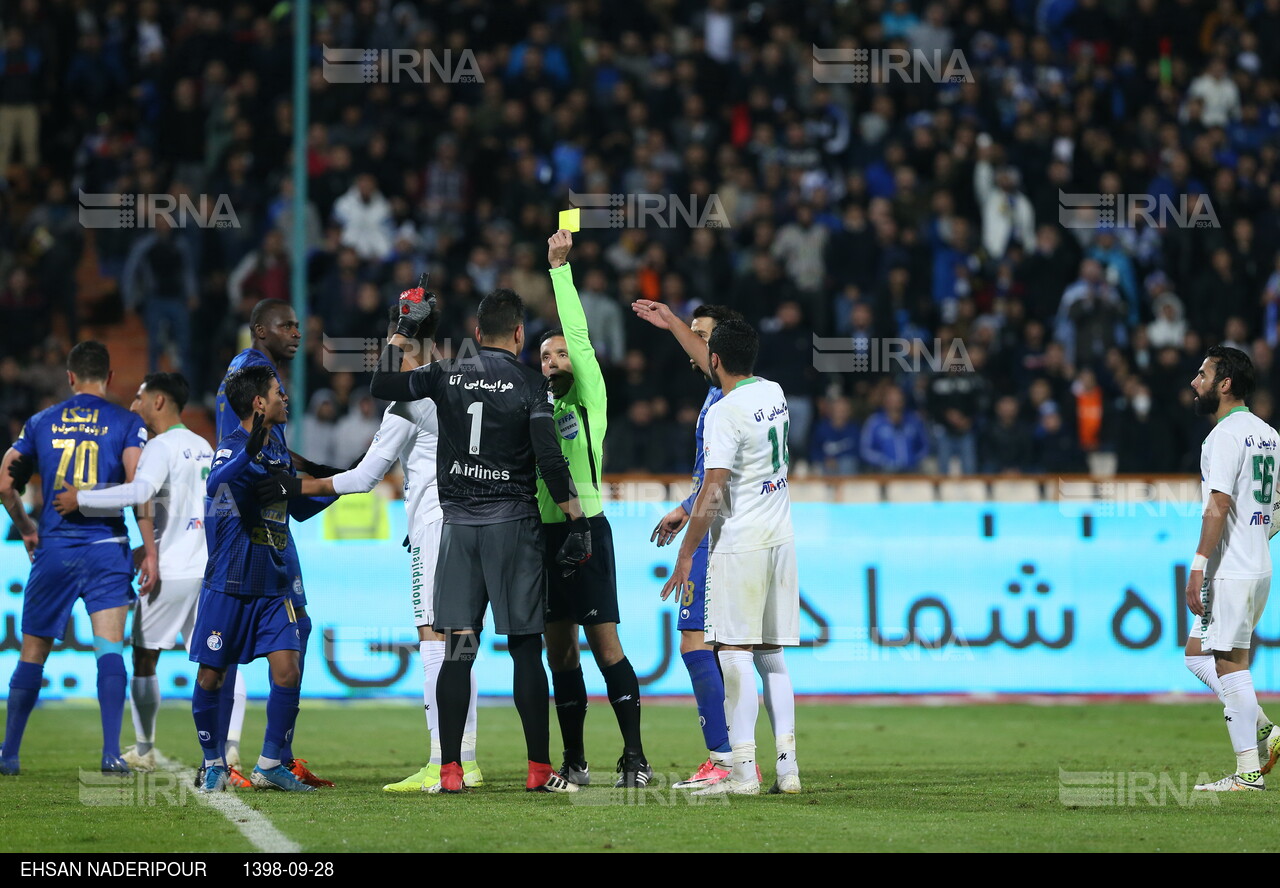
x,y
144,695
1241,711
432,653
780,703
741,708
469,729
237,710
1203,668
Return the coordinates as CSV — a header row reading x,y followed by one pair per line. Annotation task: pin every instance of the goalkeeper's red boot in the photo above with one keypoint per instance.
x,y
299,768
450,780
543,778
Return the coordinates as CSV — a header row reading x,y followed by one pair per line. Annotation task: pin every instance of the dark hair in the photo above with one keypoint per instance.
x,y
89,361
172,384
246,384
717,313
500,313
554,331
265,308
1235,365
426,330
737,344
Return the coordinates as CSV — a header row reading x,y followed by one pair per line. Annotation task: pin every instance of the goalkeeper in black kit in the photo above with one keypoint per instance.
x,y
496,435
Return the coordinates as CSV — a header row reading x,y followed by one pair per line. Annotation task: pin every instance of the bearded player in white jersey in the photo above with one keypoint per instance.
x,y
408,433
1231,572
172,472
752,592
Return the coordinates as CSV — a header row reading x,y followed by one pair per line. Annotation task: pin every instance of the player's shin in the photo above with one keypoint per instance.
x,y
741,708
530,691
204,712
570,690
24,690
112,681
1240,709
624,695
453,693
708,691
304,633
282,715
227,707
432,654
1202,667
469,730
144,697
233,725
780,703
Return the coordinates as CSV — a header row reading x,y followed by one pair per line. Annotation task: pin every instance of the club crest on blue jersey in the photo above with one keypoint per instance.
x,y
214,641
568,425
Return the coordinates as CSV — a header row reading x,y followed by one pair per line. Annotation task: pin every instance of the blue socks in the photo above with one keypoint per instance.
x,y
112,681
24,690
282,715
708,690
204,711
304,633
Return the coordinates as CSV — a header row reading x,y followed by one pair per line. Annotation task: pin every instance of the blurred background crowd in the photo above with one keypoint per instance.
x,y
860,211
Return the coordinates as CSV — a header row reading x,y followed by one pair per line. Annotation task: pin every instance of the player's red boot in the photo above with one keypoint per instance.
x,y
299,768
543,778
450,780
238,780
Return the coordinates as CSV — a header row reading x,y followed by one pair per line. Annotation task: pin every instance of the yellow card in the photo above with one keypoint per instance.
x,y
570,219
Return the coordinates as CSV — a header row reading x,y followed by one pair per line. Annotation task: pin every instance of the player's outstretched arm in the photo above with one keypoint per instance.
x,y
588,376
661,316
145,478
149,570
13,504
705,508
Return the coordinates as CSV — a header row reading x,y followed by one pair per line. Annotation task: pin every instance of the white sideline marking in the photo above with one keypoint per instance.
x,y
260,832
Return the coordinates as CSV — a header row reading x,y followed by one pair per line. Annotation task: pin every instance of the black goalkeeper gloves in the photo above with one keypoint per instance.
x,y
576,549
21,470
416,305
278,486
316,470
257,436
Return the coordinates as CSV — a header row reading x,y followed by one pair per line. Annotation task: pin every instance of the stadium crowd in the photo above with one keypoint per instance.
x,y
861,211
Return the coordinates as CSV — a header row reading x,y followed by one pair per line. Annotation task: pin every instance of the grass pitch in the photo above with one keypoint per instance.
x,y
1106,777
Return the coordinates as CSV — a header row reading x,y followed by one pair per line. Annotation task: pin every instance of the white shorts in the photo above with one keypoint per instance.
x,y
159,617
424,551
753,597
1232,608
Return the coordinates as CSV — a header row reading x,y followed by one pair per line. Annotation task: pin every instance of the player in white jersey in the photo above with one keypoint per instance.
x,y
1231,572
171,471
752,592
409,434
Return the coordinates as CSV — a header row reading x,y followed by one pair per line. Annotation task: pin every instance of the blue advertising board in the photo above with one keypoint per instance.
x,y
896,598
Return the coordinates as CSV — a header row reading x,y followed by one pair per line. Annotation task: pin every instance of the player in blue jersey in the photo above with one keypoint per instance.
x,y
246,607
84,442
699,657
276,339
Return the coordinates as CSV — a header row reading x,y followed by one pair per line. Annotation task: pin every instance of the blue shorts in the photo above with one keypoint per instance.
x,y
241,628
693,614
100,573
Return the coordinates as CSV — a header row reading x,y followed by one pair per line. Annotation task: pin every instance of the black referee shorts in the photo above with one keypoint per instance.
x,y
590,596
498,565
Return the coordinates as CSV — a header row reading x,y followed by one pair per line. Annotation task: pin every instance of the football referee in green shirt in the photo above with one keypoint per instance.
x,y
588,596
